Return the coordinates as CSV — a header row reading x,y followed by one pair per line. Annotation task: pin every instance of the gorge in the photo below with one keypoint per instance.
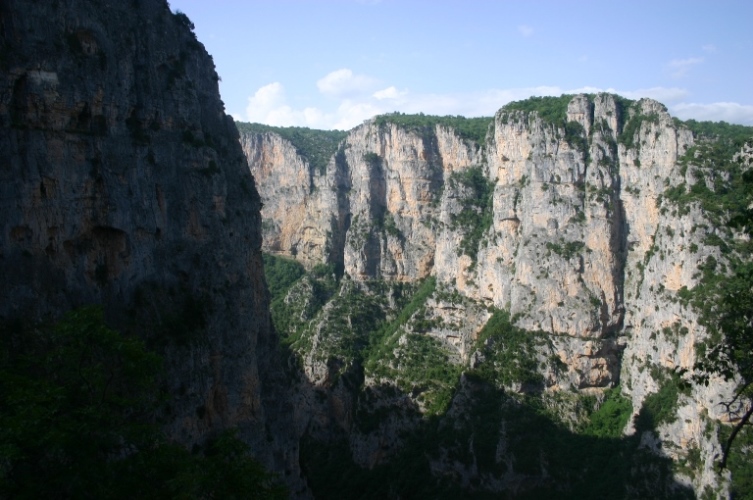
x,y
546,251
420,307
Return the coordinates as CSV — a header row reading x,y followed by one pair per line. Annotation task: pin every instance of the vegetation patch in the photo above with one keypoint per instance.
x,y
509,353
417,363
633,125
475,216
345,326
422,367
610,419
489,435
719,185
661,407
723,296
470,129
296,297
566,249
739,462
551,110
281,273
77,408
476,419
575,136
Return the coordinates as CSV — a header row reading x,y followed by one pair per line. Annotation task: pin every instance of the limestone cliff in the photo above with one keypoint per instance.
x,y
560,222
123,184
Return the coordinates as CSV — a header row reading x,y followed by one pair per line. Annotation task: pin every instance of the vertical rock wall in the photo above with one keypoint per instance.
x,y
580,245
122,183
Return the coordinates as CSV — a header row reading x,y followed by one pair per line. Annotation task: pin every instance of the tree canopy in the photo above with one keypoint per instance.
x,y
470,129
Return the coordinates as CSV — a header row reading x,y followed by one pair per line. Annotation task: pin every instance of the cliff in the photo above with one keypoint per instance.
x,y
558,216
484,306
123,184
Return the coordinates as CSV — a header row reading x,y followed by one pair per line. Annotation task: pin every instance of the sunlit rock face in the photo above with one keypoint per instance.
x,y
577,242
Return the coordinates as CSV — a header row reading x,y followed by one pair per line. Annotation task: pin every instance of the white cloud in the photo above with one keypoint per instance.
x,y
268,100
269,105
352,113
664,95
717,111
525,30
343,83
313,116
356,99
267,96
389,93
709,48
679,68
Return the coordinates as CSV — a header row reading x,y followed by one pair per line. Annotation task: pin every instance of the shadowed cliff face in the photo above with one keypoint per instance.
x,y
123,183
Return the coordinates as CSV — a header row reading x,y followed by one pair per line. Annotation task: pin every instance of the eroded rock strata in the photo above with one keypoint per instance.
x,y
562,223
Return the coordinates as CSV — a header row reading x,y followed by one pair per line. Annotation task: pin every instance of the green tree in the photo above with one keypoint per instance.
x,y
731,315
720,163
736,322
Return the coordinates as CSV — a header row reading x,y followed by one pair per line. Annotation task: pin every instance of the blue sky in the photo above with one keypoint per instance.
x,y
334,63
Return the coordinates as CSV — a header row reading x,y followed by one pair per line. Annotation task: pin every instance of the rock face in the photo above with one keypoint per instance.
x,y
123,184
575,240
292,217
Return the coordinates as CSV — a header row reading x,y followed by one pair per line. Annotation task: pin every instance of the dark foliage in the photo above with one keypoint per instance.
x,y
281,273
723,188
77,407
509,352
552,110
290,306
500,435
470,129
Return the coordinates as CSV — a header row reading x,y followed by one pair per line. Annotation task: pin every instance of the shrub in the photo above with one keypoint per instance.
x,y
611,417
510,353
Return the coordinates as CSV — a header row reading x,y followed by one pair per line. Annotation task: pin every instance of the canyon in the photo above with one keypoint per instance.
x,y
434,307
557,216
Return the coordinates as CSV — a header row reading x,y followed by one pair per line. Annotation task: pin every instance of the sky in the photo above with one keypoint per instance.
x,y
331,64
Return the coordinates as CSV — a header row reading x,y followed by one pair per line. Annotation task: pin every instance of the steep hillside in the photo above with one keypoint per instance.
x,y
464,283
123,184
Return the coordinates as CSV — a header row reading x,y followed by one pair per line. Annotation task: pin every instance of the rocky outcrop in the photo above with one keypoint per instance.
x,y
123,184
575,240
292,222
371,209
